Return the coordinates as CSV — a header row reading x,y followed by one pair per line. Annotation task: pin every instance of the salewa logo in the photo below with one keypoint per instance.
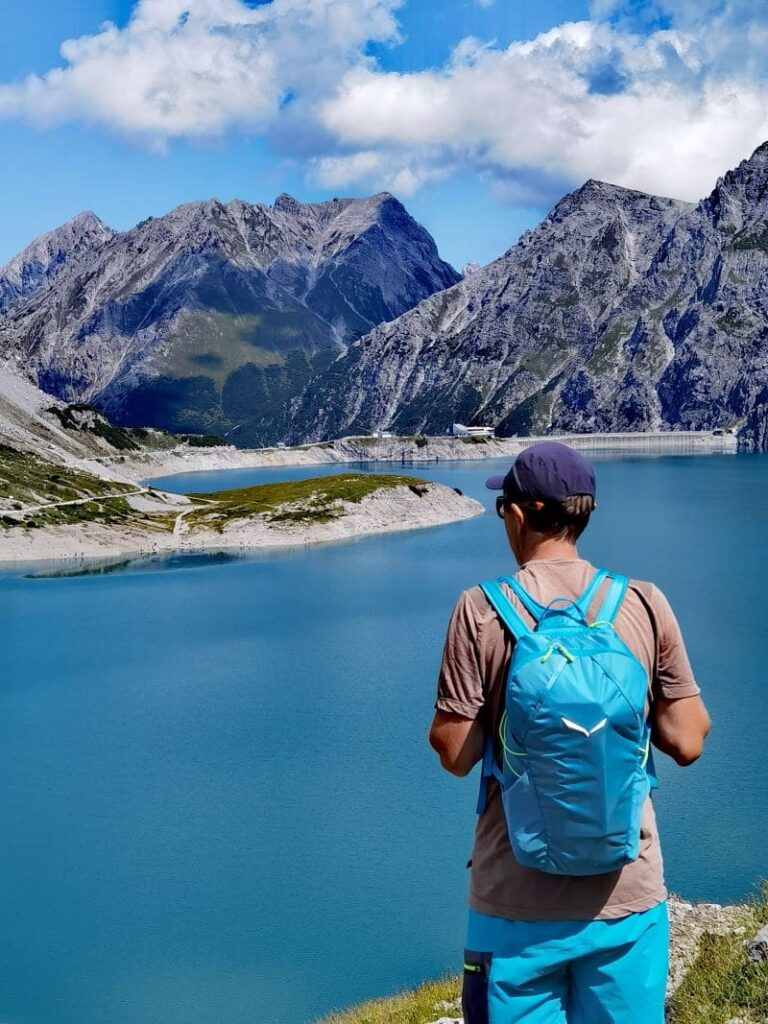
x,y
580,728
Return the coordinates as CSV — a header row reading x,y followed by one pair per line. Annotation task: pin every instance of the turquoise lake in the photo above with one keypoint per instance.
x,y
217,800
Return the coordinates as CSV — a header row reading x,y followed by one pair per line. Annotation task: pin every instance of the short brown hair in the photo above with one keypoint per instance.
x,y
567,518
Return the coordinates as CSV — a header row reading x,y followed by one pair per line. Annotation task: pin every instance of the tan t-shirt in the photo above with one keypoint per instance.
x,y
472,679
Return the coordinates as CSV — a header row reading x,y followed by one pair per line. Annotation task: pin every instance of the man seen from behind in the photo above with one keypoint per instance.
x,y
558,679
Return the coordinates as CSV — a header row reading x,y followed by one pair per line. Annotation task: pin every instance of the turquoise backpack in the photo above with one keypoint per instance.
x,y
574,737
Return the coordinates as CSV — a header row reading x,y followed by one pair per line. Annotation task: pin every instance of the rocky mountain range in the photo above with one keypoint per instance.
x,y
621,311
298,322
213,317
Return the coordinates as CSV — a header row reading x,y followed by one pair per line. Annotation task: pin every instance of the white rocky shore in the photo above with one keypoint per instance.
x,y
389,510
403,450
343,452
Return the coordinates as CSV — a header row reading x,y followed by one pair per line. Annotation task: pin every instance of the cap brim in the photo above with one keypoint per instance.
x,y
495,483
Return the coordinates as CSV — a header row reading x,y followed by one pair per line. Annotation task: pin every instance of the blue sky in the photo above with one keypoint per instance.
x,y
478,114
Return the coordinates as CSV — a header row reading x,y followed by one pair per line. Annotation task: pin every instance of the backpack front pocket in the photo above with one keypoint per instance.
x,y
525,824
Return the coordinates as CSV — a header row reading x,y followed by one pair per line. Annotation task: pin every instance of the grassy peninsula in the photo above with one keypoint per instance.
x,y
49,510
315,500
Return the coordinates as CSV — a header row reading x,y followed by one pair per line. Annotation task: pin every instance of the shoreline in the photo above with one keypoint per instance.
x,y
96,541
405,451
396,510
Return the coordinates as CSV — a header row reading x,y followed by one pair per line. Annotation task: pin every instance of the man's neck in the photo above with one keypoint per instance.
x,y
549,549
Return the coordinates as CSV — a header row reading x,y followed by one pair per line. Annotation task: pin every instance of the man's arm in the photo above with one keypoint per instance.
x,y
679,721
679,727
459,741
456,732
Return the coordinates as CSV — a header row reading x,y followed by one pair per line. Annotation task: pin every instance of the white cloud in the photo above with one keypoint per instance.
x,y
669,121
401,174
192,68
661,95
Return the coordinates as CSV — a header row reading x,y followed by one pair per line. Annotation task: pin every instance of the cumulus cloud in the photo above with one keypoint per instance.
x,y
195,68
660,95
402,174
668,118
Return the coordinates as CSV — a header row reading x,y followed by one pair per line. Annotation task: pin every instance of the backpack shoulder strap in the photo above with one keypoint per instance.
x,y
533,607
585,601
613,598
505,609
510,618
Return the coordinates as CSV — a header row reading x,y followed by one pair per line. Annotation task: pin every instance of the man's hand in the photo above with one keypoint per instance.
x,y
679,728
459,741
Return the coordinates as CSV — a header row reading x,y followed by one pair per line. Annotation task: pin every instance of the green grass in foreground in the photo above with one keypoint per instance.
x,y
722,982
316,500
418,1007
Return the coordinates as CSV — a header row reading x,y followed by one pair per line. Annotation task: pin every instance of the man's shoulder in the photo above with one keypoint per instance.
x,y
475,601
644,589
651,595
656,606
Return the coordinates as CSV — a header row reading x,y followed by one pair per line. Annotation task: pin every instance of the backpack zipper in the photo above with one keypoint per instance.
x,y
557,646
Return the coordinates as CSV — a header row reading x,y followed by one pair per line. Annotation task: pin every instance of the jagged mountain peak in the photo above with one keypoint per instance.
x,y
87,220
307,226
82,224
620,311
330,209
602,195
188,213
602,218
286,203
749,177
212,316
594,190
740,197
43,259
598,187
244,233
759,156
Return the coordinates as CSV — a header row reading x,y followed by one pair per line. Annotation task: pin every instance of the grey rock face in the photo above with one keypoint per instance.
x,y
757,948
212,317
40,263
621,311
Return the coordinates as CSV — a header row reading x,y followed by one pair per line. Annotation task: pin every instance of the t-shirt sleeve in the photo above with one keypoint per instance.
x,y
460,683
674,677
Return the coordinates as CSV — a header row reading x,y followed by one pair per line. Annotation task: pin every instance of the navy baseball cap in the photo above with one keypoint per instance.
x,y
546,471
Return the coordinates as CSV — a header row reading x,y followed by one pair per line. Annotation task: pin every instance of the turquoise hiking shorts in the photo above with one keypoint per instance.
x,y
566,972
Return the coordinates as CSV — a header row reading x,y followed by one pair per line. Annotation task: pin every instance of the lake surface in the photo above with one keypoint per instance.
x,y
218,804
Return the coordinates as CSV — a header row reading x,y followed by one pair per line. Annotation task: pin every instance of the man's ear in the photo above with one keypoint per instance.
x,y
516,511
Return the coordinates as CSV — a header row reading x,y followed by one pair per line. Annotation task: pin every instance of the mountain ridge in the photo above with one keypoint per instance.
x,y
620,311
211,317
304,321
